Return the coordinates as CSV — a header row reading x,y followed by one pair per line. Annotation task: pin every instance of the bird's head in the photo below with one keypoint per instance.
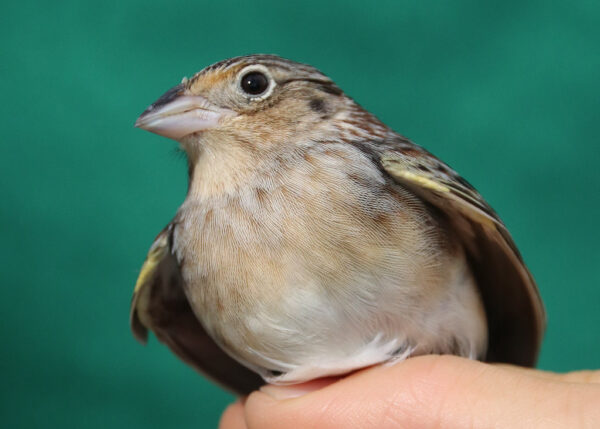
x,y
257,99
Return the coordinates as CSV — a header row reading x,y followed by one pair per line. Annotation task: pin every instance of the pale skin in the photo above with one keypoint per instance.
x,y
427,392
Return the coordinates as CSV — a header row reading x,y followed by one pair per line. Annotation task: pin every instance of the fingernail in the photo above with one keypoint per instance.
x,y
295,390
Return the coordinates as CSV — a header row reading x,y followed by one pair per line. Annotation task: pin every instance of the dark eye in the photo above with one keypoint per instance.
x,y
254,83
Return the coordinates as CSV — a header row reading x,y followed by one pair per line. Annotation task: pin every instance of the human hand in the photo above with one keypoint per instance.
x,y
427,392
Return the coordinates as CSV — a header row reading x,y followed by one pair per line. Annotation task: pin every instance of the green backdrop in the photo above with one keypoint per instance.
x,y
508,93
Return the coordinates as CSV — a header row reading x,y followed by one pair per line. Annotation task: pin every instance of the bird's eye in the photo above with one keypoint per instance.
x,y
254,83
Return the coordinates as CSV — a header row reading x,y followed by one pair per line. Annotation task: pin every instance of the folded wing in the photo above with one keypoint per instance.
x,y
516,318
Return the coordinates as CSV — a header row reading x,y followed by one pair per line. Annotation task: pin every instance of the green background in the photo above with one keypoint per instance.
x,y
508,93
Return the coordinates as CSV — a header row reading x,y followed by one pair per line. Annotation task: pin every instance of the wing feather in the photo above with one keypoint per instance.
x,y
516,317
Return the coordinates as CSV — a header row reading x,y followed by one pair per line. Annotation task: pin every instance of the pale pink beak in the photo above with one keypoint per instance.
x,y
176,114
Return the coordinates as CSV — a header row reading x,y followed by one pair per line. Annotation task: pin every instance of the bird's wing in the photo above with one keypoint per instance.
x,y
159,304
516,317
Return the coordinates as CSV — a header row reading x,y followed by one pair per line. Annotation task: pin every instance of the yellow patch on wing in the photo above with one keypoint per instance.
x,y
422,180
465,200
155,255
139,319
401,169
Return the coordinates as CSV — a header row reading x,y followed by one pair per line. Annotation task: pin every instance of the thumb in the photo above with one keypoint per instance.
x,y
429,392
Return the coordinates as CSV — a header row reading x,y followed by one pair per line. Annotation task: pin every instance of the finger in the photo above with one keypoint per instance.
x,y
569,377
581,377
295,390
428,392
233,417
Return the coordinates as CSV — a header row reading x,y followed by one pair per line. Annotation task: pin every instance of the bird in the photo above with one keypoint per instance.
x,y
315,241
